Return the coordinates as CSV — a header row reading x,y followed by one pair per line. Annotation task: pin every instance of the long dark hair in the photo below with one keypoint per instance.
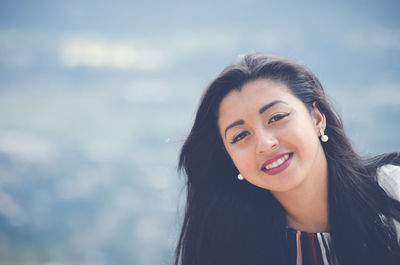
x,y
232,222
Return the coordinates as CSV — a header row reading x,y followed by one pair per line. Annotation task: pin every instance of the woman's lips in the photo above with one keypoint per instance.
x,y
277,164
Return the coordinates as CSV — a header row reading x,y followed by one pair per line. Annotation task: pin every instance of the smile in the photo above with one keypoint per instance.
x,y
277,164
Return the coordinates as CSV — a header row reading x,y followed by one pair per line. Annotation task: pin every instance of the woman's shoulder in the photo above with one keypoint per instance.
x,y
388,177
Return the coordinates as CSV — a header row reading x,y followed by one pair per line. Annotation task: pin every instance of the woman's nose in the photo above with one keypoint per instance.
x,y
266,142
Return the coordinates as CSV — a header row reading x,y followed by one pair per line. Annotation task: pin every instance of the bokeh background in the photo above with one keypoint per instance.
x,y
96,98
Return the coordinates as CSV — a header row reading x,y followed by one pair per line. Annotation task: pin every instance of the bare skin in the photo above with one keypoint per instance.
x,y
307,208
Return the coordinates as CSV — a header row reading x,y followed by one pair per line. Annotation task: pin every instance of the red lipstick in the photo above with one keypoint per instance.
x,y
281,167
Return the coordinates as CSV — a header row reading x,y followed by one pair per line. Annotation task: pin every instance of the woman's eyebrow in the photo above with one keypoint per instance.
x,y
264,108
269,105
239,122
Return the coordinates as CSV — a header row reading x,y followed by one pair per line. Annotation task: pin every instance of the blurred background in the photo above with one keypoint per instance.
x,y
96,98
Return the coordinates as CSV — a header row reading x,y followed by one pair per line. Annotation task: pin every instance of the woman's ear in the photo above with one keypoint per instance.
x,y
318,117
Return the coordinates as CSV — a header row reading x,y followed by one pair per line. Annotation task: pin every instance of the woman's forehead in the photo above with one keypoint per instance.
x,y
254,95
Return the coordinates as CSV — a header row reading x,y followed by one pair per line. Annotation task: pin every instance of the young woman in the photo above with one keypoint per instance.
x,y
273,179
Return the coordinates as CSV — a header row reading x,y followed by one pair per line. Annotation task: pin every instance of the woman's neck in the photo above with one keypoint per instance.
x,y
306,206
308,217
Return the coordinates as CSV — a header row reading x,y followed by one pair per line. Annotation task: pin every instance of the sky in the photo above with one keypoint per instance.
x,y
97,97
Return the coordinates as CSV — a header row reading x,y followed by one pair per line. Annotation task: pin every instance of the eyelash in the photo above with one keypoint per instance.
x,y
240,136
278,117
275,118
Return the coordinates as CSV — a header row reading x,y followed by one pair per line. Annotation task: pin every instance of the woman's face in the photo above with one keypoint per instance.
x,y
271,136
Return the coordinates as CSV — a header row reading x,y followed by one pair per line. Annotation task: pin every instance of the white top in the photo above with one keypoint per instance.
x,y
389,180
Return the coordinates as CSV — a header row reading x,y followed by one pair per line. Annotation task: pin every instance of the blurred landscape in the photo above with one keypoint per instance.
x,y
96,99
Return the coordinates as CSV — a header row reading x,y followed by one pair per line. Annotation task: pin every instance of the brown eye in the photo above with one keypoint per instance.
x,y
278,117
239,137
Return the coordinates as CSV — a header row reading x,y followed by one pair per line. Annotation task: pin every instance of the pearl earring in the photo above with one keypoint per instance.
x,y
324,137
240,177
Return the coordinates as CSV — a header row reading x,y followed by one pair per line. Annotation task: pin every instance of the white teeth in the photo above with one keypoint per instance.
x,y
278,162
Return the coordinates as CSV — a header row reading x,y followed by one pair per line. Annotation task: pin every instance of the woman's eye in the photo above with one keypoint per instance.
x,y
277,117
239,137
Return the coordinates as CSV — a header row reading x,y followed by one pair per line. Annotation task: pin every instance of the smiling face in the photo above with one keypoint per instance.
x,y
271,137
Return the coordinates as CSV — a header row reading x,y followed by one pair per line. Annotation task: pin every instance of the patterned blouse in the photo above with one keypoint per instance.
x,y
314,248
